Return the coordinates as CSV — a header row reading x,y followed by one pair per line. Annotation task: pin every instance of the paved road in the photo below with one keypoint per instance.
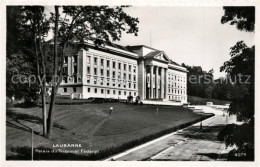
x,y
190,144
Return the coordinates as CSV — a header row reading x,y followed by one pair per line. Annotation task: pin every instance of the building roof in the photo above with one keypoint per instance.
x,y
153,54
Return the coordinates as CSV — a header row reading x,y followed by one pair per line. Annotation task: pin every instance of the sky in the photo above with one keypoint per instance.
x,y
190,35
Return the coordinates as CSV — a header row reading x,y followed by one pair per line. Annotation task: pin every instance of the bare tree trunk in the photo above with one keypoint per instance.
x,y
42,87
44,112
54,88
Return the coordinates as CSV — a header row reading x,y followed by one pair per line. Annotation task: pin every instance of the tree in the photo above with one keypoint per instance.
x,y
241,66
242,17
101,24
28,27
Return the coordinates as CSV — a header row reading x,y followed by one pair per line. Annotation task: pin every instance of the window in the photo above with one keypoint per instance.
x,y
107,73
134,86
119,75
74,89
88,80
124,92
114,84
119,85
95,80
119,92
64,90
88,59
65,70
108,92
114,92
114,64
101,72
134,78
95,90
75,69
95,60
102,62
108,82
66,59
130,77
134,93
102,91
129,68
101,82
114,74
88,89
134,69
75,79
130,93
75,58
95,71
124,67
119,66
88,70
124,75
108,63
65,79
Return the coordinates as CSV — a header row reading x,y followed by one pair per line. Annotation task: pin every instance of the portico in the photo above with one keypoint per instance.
x,y
155,82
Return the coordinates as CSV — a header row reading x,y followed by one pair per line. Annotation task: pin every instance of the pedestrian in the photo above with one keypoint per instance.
x,y
111,109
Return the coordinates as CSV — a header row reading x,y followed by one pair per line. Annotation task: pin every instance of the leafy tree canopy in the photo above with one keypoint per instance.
x,y
242,17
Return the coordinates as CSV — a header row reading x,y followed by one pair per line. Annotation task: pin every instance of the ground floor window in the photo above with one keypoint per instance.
x,y
108,91
74,89
102,91
119,92
95,90
114,92
88,89
65,90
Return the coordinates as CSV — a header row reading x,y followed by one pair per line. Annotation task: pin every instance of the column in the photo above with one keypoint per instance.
x,y
156,82
162,87
151,81
166,83
144,83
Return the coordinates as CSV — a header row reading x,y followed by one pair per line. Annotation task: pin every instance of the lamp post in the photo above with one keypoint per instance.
x,y
32,139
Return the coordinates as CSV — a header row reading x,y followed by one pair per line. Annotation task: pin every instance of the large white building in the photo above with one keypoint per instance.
x,y
114,71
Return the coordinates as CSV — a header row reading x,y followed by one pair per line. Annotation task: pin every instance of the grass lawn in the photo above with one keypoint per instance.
x,y
90,125
203,101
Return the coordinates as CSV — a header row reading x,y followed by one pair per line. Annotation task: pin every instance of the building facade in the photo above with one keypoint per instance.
x,y
114,71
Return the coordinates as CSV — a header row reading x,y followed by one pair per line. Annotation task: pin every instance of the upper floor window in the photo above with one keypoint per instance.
x,y
75,58
119,66
108,63
88,70
124,67
102,62
114,64
95,71
95,60
129,68
66,59
88,59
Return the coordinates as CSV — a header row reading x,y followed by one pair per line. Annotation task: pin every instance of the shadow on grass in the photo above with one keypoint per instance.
x,y
24,153
15,116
